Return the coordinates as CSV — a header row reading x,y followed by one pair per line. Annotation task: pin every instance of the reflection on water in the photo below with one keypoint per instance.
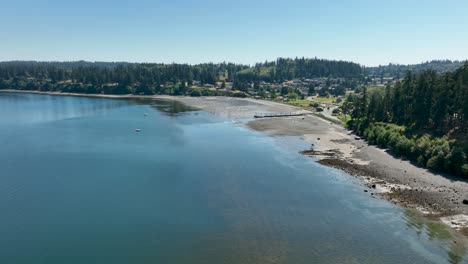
x,y
31,108
22,107
81,186
435,230
168,107
171,108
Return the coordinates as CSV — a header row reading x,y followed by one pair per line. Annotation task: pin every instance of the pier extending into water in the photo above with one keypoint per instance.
x,y
265,115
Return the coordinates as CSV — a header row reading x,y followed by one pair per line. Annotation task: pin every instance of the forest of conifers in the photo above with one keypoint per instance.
x,y
108,78
424,117
284,69
398,71
124,78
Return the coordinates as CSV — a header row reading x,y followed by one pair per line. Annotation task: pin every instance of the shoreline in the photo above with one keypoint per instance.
x,y
436,196
114,96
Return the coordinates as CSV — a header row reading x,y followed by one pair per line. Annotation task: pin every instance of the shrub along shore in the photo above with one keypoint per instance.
x,y
435,153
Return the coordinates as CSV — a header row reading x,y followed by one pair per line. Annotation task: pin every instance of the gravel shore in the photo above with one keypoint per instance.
x,y
382,174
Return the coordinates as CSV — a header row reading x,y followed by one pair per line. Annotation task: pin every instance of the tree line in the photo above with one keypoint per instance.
x,y
288,69
398,71
19,74
430,116
156,78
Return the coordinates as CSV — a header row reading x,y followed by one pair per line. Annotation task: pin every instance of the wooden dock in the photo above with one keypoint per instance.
x,y
266,115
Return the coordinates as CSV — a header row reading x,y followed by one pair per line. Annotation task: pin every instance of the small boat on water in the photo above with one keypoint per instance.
x,y
137,130
145,114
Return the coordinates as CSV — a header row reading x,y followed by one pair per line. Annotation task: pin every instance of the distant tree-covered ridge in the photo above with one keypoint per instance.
x,y
424,118
60,75
421,115
398,71
288,69
158,78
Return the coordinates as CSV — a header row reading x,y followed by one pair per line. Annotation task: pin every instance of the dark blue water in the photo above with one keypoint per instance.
x,y
79,185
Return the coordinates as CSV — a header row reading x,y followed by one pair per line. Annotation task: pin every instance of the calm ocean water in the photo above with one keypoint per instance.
x,y
79,185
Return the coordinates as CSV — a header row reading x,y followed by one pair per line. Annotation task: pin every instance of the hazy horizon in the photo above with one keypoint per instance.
x,y
246,32
216,62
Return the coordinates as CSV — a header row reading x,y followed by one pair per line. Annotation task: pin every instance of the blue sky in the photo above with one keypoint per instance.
x,y
243,31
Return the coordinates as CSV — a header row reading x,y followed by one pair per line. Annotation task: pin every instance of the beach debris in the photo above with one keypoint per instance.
x,y
137,130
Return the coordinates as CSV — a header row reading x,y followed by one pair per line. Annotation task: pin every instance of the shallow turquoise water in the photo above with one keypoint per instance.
x,y
78,185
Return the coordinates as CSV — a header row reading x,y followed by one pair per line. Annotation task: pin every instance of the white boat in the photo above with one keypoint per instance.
x,y
137,130
145,114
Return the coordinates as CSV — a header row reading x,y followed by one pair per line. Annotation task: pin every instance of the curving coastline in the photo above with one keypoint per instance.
x,y
382,175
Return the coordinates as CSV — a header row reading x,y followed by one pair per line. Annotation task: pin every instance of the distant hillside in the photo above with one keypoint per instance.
x,y
60,64
113,77
288,69
399,70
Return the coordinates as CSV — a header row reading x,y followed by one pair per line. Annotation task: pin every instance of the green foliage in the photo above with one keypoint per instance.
x,y
436,162
292,96
426,101
426,110
300,103
455,161
436,153
314,104
336,111
288,69
325,99
111,78
195,93
465,170
331,120
397,70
